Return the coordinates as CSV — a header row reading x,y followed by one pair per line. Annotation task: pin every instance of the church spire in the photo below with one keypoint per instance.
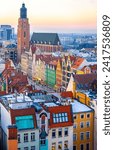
x,y
23,12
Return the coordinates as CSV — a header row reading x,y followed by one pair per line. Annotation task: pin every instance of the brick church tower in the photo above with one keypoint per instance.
x,y
23,33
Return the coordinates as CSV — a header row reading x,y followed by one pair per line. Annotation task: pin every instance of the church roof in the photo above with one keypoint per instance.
x,y
45,38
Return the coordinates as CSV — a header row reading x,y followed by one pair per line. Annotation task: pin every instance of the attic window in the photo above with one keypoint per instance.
x,y
60,117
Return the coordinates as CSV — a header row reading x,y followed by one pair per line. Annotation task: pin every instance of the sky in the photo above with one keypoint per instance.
x,y
62,16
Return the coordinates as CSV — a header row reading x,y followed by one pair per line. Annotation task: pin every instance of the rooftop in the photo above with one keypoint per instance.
x,y
45,38
78,107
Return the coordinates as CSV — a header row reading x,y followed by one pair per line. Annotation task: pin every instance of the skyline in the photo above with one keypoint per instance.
x,y
68,16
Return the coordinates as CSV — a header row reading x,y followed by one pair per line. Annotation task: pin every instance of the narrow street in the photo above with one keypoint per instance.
x,y
40,87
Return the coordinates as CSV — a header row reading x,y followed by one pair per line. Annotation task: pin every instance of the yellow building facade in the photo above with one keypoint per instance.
x,y
58,75
82,97
40,70
83,130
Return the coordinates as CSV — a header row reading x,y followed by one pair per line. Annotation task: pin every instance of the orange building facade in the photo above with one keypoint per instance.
x,y
58,75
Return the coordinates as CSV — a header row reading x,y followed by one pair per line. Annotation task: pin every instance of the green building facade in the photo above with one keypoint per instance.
x,y
50,75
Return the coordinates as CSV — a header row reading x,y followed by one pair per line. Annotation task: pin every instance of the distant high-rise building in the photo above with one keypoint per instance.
x,y
23,33
6,32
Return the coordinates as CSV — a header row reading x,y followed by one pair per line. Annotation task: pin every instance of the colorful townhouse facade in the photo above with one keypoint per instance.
x,y
81,85
66,70
59,75
61,128
40,67
51,73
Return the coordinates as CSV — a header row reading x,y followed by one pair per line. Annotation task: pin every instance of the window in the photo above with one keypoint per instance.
x,y
33,136
82,116
88,115
66,145
75,116
32,147
81,147
82,136
87,146
74,148
66,132
60,133
88,124
25,148
75,126
53,146
74,137
82,125
68,68
24,122
24,34
18,138
60,117
87,135
26,137
53,133
43,141
43,119
60,146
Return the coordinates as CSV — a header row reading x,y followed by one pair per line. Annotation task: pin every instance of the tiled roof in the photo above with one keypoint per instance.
x,y
22,79
85,79
49,38
53,62
60,110
7,72
93,67
77,63
67,94
2,93
72,58
45,58
24,88
23,112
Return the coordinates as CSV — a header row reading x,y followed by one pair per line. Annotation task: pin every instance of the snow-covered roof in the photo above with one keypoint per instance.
x,y
79,107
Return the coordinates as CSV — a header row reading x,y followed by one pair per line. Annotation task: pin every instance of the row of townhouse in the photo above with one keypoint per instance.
x,y
54,71
32,124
